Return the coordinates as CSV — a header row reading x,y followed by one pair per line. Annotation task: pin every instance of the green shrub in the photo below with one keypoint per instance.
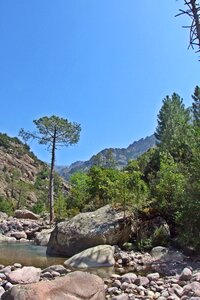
x,y
39,207
6,205
160,237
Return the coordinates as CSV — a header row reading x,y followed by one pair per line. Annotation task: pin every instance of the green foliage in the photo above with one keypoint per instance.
x,y
78,195
169,187
130,189
173,130
60,207
160,237
42,178
196,106
175,184
65,133
6,205
149,164
39,207
6,141
54,132
101,185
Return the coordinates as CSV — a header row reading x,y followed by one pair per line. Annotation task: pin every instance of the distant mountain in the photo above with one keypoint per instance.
x,y
118,156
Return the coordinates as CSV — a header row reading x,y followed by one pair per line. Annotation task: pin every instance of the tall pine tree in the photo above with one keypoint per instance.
x,y
172,131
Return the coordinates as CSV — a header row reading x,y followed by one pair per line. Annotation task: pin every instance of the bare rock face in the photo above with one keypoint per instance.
x,y
74,286
103,226
99,256
25,214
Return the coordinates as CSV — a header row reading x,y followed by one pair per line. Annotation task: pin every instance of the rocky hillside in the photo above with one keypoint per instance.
x,y
18,170
23,177
117,157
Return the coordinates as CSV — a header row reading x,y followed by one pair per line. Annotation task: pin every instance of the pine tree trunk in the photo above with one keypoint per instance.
x,y
51,180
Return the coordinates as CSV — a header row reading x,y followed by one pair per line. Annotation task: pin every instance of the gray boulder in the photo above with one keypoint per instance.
x,y
3,215
7,239
42,238
166,254
99,256
103,226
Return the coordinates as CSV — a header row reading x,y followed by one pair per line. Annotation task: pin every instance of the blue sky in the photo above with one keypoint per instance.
x,y
106,64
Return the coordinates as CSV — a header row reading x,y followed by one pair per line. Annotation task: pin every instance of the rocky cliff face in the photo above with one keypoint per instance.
x,y
18,169
117,157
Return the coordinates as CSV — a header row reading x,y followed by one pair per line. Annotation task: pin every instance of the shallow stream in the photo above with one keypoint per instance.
x,y
26,254
29,254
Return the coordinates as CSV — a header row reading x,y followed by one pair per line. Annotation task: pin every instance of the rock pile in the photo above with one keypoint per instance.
x,y
21,229
129,286
134,287
73,286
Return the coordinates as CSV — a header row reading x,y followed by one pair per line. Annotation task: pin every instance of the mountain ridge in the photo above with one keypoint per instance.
x,y
118,156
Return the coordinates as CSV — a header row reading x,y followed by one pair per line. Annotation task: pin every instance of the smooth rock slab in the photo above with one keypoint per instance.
x,y
74,286
24,275
99,256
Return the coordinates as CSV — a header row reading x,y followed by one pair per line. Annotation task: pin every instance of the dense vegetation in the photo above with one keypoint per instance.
x,y
164,181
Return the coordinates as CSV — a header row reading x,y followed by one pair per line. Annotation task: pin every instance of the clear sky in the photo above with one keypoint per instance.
x,y
106,64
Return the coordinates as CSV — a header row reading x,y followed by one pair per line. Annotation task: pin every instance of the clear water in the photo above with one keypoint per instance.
x,y
27,254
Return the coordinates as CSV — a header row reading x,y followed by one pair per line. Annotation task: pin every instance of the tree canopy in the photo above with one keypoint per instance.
x,y
54,132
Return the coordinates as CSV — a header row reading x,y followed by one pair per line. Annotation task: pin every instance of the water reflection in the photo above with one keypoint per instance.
x,y
27,254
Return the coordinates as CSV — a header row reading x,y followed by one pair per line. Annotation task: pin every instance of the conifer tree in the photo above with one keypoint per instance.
x,y
196,106
173,126
54,132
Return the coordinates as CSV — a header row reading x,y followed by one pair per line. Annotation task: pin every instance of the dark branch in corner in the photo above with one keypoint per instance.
x,y
192,11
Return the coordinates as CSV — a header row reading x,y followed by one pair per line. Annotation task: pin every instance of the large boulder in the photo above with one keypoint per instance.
x,y
25,214
74,286
103,226
99,256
